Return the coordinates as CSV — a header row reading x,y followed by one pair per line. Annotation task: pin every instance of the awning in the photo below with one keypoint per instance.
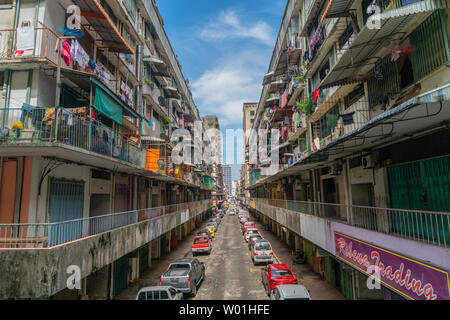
x,y
268,78
172,92
100,22
159,65
282,65
366,49
105,104
338,8
109,102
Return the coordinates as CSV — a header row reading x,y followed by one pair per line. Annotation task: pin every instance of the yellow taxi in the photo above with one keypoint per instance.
x,y
211,229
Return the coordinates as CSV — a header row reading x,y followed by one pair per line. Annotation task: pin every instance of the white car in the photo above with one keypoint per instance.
x,y
249,232
262,252
290,292
159,293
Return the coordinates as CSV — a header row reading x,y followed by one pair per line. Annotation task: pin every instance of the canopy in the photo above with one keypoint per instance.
x,y
104,103
100,22
365,49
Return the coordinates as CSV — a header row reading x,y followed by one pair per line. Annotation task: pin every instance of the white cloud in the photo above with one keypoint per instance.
x,y
235,80
229,27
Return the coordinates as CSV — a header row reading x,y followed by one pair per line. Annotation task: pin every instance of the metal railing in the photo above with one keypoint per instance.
x,y
45,46
32,125
431,227
47,235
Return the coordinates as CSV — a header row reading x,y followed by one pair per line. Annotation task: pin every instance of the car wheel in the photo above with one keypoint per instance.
x,y
194,290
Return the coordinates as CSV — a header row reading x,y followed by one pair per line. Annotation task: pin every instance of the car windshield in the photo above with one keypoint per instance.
x,y
178,266
281,273
263,246
253,238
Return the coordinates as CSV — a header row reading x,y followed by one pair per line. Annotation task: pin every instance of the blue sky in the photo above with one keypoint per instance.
x,y
225,47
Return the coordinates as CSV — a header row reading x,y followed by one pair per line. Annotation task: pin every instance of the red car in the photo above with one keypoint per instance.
x,y
201,244
248,224
276,274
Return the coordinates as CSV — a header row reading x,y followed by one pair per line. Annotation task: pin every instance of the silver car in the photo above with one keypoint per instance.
x,y
290,292
159,293
261,252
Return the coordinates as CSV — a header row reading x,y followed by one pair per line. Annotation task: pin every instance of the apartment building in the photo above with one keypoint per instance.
x,y
359,92
213,179
249,110
227,178
86,119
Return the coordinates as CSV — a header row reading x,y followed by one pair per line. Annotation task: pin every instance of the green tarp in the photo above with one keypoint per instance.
x,y
107,105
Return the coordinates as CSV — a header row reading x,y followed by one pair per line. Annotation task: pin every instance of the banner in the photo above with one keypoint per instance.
x,y
410,278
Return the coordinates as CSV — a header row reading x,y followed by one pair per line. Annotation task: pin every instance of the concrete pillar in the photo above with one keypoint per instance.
x,y
298,243
168,240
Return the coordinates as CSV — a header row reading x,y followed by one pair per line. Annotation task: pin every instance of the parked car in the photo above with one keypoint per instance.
x,y
247,225
252,239
204,233
201,244
243,220
261,251
184,274
212,224
290,292
276,274
211,229
159,293
249,232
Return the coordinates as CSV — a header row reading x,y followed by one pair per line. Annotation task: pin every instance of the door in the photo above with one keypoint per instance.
x,y
7,191
123,194
66,202
421,185
143,258
120,280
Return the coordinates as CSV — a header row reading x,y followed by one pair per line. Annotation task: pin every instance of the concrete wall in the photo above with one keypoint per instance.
x,y
40,273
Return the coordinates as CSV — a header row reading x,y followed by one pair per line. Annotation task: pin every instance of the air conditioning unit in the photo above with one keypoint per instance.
x,y
369,161
335,169
162,101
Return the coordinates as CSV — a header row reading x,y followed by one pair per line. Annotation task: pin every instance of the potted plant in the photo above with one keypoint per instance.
x,y
17,128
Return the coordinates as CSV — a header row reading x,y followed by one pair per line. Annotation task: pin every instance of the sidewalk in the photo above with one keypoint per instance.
x,y
319,289
151,275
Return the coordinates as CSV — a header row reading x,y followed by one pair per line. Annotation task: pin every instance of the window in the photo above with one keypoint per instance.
x,y
163,295
142,296
328,122
354,96
281,273
345,36
252,113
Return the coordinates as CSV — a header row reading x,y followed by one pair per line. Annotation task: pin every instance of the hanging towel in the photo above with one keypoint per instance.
x,y
66,52
316,95
25,38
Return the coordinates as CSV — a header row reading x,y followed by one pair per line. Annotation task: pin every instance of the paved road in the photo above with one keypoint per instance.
x,y
230,274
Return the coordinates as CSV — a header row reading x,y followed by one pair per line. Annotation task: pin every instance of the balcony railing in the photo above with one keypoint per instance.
x,y
46,235
45,46
20,126
425,226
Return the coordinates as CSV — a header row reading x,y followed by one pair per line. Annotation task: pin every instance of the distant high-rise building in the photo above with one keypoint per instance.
x,y
227,178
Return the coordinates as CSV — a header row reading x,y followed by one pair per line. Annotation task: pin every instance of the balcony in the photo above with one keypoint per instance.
x,y
59,126
423,226
43,52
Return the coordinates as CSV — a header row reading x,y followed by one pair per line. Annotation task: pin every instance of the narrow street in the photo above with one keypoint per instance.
x,y
230,273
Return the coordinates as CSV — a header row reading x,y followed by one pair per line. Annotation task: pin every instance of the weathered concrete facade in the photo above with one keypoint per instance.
x,y
41,273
